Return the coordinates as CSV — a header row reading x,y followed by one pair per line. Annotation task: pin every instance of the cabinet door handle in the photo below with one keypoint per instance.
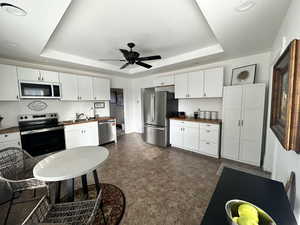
x,y
204,94
207,131
5,135
239,123
207,143
242,122
17,97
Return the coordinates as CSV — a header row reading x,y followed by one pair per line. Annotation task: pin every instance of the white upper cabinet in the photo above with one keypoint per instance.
x,y
214,82
37,75
200,84
181,86
101,89
163,81
85,88
69,87
8,83
49,76
28,74
196,84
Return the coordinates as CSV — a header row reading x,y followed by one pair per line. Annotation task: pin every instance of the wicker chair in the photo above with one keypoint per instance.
x,y
73,213
16,170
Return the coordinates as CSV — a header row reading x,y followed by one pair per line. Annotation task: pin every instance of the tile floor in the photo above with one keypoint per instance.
x,y
162,186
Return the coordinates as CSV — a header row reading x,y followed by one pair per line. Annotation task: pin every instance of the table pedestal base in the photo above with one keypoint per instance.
x,y
55,188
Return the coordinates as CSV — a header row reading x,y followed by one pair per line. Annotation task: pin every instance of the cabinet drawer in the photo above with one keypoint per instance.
x,y
81,126
209,126
209,148
184,123
9,137
209,135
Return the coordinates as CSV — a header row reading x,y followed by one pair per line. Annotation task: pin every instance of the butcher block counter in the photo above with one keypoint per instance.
x,y
192,119
9,130
72,122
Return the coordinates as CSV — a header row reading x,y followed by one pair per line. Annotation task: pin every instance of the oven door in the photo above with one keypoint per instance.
x,y
43,141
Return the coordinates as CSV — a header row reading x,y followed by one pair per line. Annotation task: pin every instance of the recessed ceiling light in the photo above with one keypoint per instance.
x,y
245,6
12,9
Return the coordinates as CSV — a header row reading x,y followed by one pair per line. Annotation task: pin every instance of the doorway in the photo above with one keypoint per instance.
x,y
117,109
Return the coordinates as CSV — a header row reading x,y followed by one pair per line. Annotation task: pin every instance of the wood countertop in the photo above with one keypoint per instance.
x,y
9,130
15,129
191,119
73,122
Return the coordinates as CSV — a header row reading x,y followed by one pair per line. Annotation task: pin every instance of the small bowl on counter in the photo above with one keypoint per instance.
x,y
232,211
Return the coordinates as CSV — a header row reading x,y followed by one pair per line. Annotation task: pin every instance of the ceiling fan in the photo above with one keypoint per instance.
x,y
133,57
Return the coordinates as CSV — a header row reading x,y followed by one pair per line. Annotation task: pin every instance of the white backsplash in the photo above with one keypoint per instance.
x,y
189,106
65,109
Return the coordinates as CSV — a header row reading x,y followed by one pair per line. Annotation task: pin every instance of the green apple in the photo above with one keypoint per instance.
x,y
235,219
243,220
247,210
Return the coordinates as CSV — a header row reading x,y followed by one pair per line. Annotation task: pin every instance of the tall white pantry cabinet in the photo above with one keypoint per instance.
x,y
243,121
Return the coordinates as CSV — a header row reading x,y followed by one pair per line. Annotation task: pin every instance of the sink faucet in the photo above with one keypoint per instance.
x,y
78,115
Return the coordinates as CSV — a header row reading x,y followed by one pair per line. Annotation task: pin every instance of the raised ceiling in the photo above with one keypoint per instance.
x,y
77,33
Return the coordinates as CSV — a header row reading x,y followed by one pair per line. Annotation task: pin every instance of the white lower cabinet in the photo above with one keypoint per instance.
x,y
195,136
10,140
85,134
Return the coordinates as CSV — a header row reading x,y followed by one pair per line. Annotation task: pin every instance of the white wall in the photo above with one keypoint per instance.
x,y
65,110
285,162
191,105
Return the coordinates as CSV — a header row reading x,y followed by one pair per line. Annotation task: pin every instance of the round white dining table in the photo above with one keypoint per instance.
x,y
69,164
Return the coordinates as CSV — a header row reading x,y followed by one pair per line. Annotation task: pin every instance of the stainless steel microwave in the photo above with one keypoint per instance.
x,y
29,89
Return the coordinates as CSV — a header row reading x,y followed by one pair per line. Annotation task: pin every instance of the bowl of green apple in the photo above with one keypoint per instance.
x,y
240,212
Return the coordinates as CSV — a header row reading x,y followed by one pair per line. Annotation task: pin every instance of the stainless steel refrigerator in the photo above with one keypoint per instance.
x,y
158,106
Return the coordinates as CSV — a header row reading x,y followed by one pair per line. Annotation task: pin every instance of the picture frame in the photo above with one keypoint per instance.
x,y
99,105
243,75
285,105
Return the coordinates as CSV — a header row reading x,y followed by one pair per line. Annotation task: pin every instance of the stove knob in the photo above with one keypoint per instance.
x,y
21,117
25,117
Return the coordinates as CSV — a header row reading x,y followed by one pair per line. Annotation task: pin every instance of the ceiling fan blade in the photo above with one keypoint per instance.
x,y
119,60
124,66
124,51
143,64
154,57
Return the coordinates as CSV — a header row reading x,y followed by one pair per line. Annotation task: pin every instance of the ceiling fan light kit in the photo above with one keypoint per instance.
x,y
133,57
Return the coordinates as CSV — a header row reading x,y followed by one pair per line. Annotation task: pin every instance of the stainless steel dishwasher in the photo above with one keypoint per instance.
x,y
107,131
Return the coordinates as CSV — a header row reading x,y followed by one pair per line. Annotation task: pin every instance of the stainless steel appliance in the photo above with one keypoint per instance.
x,y
158,106
107,131
41,133
29,89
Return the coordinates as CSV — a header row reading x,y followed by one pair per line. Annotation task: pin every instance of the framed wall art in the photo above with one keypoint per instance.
x,y
243,75
285,108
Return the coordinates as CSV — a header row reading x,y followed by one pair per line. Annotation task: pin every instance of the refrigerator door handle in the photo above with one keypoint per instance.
x,y
155,128
152,107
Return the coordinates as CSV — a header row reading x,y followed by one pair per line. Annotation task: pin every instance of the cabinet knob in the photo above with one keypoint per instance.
x,y
5,135
207,143
17,97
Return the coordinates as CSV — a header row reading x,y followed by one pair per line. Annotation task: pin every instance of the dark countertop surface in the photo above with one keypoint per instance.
x,y
191,119
267,194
